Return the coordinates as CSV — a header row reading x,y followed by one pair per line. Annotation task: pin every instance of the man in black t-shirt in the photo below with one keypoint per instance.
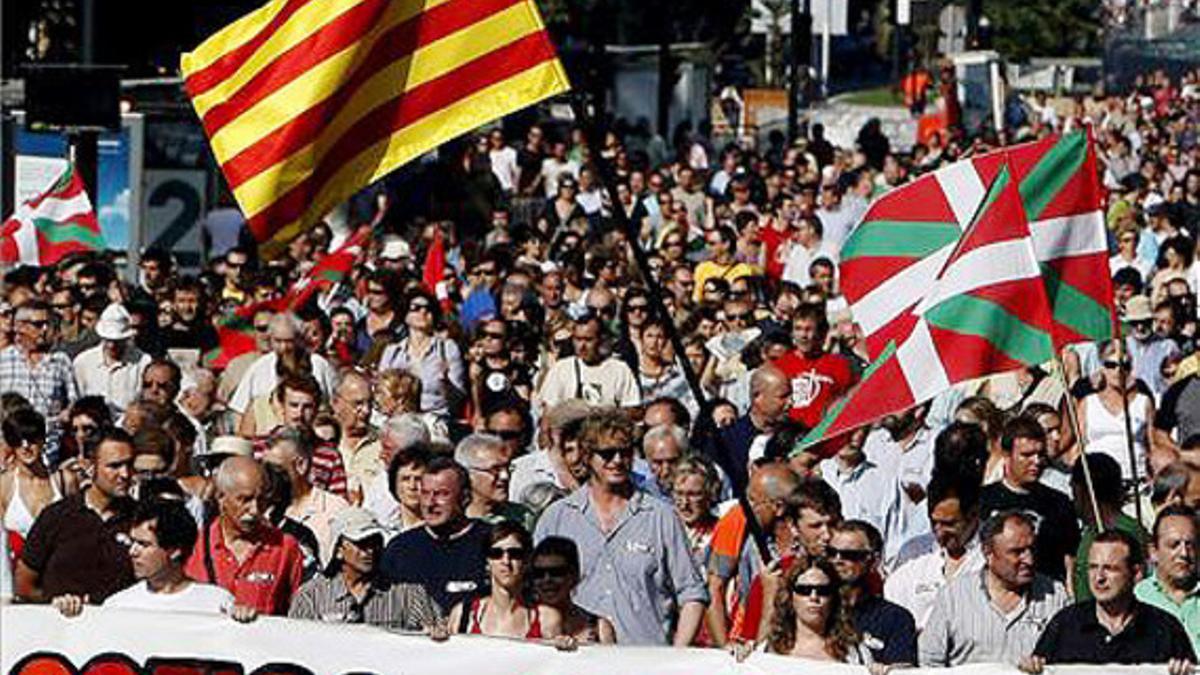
x,y
1113,627
79,545
1024,446
447,554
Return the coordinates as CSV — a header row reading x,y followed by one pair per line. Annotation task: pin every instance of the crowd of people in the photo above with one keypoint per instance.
x,y
515,447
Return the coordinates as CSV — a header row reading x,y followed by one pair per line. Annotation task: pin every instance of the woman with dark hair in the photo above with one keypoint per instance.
x,y
811,620
555,574
88,415
436,360
1175,257
506,610
27,486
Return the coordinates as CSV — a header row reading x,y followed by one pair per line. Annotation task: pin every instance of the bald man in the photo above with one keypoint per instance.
x,y
770,398
773,493
240,551
287,354
359,446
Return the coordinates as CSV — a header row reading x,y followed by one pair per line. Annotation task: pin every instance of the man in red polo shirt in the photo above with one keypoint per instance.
x,y
818,377
239,551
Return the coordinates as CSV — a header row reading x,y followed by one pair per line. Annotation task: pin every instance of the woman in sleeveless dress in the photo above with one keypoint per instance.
x,y
506,611
27,486
1102,416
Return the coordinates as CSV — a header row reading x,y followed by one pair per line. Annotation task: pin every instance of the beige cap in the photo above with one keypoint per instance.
x,y
1138,308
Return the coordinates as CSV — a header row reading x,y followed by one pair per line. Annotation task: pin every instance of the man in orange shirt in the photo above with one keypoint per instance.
x,y
256,562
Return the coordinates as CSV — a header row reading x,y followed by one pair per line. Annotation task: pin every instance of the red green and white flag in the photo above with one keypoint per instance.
x,y
51,225
907,236
985,310
330,269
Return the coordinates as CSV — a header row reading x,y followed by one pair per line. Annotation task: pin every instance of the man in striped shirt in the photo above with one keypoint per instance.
x,y
353,590
996,615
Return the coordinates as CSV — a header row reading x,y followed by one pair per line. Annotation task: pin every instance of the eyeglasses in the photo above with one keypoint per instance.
x,y
550,572
851,554
809,590
494,471
512,552
609,454
1123,365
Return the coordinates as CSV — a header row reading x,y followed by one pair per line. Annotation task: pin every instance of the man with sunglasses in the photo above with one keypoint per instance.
x,y
888,629
639,568
28,367
354,590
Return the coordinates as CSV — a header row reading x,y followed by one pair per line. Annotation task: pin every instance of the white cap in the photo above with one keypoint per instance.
x,y
115,323
395,248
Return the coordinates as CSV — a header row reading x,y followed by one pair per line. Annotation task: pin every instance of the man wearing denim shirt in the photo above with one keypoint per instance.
x,y
637,569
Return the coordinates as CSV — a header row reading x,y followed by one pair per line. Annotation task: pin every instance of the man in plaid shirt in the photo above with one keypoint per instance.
x,y
44,378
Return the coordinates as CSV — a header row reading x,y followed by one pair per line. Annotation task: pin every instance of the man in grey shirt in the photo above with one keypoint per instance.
x,y
637,566
996,615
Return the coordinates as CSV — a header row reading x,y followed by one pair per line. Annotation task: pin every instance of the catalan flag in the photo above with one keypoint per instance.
x,y
307,101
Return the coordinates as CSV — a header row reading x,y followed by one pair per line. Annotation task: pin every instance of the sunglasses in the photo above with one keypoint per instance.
x,y
507,434
744,317
851,554
609,454
809,590
513,552
494,334
1124,365
419,307
637,308
550,572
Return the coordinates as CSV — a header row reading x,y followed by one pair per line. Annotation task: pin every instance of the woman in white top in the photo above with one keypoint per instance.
x,y
1102,418
436,360
27,486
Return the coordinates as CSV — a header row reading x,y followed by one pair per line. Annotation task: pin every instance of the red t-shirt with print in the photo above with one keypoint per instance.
x,y
816,383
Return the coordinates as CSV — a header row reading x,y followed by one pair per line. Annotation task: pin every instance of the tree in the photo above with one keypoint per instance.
x,y
1043,27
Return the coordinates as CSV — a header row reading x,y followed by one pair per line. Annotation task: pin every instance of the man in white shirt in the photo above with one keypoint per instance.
x,y
589,375
903,447
291,449
554,166
112,369
504,161
162,537
262,376
807,246
867,492
954,512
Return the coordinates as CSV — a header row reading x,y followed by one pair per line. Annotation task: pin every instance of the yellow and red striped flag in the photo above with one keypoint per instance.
x,y
307,101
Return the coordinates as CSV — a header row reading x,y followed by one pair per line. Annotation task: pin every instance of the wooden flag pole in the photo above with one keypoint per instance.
x,y
1073,418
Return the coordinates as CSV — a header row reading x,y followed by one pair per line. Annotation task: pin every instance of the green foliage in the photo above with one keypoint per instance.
x,y
1024,28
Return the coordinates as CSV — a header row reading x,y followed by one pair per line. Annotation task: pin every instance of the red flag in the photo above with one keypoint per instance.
x,y
435,262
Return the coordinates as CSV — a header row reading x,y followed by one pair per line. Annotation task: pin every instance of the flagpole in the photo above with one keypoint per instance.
x,y
1073,417
657,307
1122,355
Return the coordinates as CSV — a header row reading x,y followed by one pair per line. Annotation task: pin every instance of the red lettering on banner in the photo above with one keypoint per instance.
x,y
111,663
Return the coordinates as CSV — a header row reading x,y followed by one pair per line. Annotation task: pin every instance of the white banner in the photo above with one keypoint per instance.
x,y
36,640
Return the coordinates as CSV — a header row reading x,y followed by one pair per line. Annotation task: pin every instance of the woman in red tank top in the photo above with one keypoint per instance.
x,y
505,611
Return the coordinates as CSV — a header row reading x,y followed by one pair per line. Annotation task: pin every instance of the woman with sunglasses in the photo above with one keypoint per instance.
x,y
811,620
1102,421
435,359
28,486
555,574
506,610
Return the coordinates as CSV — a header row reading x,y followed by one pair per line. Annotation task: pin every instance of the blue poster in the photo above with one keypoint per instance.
x,y
113,194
